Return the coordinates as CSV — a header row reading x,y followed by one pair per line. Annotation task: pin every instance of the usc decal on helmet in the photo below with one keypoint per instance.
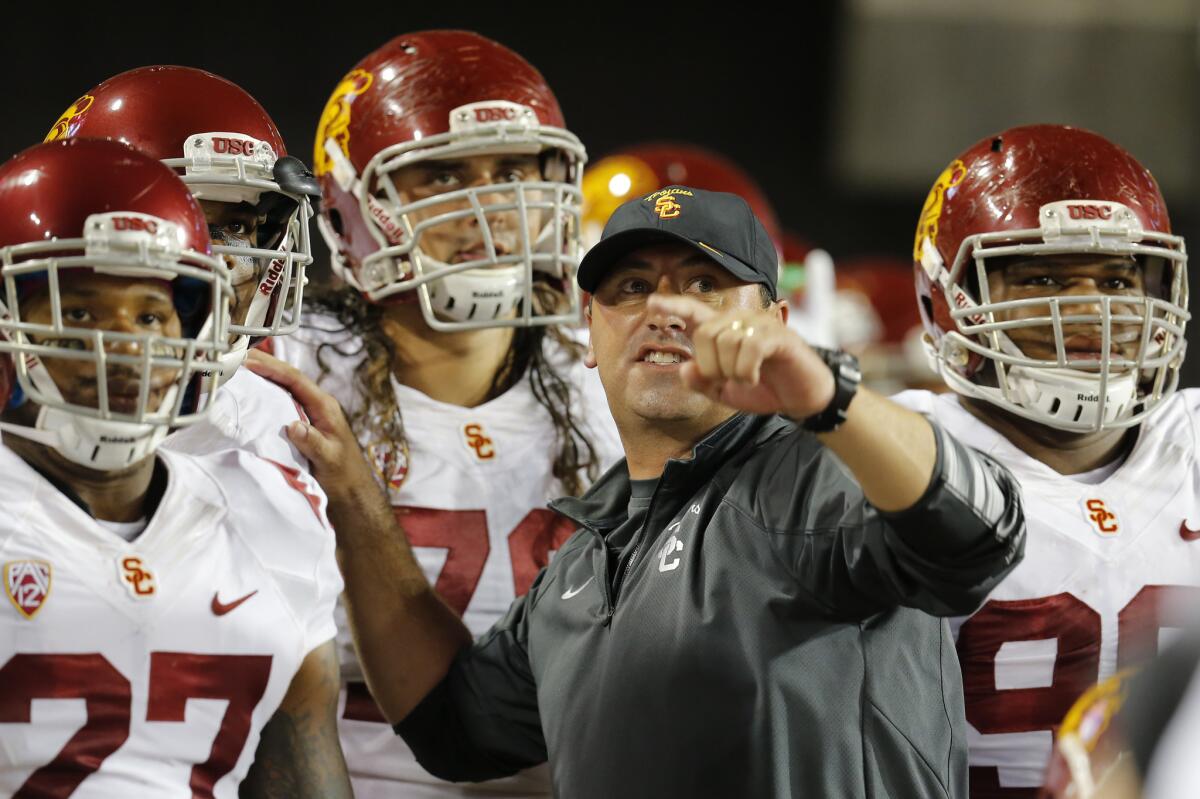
x,y
63,128
927,225
334,127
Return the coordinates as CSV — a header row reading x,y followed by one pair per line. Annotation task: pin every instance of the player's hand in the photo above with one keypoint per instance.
x,y
335,458
749,360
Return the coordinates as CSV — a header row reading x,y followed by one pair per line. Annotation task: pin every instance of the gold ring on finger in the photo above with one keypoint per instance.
x,y
748,332
735,325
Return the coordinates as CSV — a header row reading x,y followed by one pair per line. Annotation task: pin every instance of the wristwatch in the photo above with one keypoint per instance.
x,y
846,377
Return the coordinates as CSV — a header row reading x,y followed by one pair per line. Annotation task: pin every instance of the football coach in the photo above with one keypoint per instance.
x,y
750,606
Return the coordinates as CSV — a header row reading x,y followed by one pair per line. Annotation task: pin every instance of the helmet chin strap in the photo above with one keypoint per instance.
x,y
1066,395
473,294
229,362
100,444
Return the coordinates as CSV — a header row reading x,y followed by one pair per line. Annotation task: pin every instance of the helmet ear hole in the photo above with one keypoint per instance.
x,y
335,221
927,308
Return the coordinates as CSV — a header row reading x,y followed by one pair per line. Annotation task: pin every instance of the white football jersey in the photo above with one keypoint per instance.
x,y
249,412
149,668
471,494
1110,570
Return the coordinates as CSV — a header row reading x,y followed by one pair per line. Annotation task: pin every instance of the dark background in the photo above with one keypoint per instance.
x,y
780,98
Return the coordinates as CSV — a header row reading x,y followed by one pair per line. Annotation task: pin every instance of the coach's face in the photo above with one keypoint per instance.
x,y
639,352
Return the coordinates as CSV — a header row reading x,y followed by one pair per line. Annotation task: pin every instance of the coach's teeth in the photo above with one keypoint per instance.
x,y
661,357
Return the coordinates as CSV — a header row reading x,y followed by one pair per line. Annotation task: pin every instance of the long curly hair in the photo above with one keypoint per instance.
x,y
526,359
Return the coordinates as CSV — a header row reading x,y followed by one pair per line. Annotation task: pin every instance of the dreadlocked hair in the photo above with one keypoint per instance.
x,y
381,414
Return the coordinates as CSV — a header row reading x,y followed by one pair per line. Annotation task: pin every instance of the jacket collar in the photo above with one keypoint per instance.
x,y
605,505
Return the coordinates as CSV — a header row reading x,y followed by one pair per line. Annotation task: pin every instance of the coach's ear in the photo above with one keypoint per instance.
x,y
589,358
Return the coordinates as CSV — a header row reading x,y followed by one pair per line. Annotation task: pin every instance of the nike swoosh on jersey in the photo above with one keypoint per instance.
x,y
574,591
219,608
1187,533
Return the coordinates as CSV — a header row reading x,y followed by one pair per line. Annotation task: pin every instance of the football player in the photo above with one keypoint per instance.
x,y
1054,299
169,629
256,199
450,201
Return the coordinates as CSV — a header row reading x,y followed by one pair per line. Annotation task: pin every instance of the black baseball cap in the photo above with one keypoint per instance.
x,y
717,224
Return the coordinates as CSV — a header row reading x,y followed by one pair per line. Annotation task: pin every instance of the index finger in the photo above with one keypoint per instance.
x,y
322,409
692,312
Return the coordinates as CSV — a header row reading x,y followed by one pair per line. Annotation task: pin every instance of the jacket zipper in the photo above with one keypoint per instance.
x,y
628,569
633,556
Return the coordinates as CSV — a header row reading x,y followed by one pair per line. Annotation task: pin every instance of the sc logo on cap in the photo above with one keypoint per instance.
x,y
666,207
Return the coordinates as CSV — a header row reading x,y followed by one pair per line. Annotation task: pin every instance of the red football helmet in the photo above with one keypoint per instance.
x,y
1051,190
447,96
96,207
1090,744
644,168
874,318
226,148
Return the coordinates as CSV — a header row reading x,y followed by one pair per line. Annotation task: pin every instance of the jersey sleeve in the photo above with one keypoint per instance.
x,y
482,722
282,518
249,412
263,412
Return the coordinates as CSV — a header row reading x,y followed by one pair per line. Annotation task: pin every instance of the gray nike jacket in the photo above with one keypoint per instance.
x,y
771,635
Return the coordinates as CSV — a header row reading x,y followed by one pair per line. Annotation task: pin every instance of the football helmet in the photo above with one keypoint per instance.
x,y
445,96
639,170
1090,745
1051,190
96,207
876,320
226,149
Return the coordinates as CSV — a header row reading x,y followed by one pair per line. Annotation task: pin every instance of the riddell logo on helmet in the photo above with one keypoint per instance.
x,y
134,223
271,280
227,146
391,229
495,114
1087,398
963,303
1089,211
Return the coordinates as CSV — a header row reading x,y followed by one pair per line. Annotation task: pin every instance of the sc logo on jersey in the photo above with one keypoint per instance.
x,y
475,440
1103,518
136,577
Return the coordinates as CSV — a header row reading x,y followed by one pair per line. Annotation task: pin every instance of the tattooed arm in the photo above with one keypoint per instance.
x,y
298,755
